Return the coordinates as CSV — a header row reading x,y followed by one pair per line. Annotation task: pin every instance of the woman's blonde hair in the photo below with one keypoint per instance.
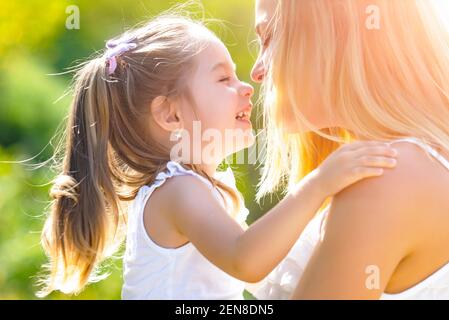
x,y
109,153
389,79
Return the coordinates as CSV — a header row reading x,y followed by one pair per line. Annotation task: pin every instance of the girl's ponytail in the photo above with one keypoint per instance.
x,y
85,211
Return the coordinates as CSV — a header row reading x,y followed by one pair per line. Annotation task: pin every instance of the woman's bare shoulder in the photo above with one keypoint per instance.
x,y
416,176
401,199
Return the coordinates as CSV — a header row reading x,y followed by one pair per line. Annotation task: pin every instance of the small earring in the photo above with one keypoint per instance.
x,y
177,134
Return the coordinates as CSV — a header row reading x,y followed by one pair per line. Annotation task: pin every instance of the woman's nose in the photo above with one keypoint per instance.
x,y
258,72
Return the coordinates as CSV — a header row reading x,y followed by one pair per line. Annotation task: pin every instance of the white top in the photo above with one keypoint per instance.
x,y
281,282
153,272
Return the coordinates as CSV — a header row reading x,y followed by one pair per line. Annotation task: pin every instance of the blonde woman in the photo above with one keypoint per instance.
x,y
335,71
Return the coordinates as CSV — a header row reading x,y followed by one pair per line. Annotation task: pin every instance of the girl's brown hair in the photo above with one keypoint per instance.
x,y
109,153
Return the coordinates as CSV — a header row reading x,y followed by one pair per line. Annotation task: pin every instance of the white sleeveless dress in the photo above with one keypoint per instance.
x,y
154,272
281,282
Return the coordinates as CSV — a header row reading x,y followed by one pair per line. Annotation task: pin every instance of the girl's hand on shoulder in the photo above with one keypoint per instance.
x,y
354,162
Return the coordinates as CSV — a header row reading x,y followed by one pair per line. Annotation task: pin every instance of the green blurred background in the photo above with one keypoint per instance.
x,y
34,44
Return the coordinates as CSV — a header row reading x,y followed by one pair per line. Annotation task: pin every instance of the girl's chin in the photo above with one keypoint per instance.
x,y
243,123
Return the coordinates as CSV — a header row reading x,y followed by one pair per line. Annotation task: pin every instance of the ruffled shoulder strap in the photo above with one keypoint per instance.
x,y
172,169
176,169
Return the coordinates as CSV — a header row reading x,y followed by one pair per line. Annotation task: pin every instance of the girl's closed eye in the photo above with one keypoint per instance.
x,y
228,78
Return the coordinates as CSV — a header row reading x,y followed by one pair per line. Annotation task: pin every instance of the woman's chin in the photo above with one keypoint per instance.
x,y
291,126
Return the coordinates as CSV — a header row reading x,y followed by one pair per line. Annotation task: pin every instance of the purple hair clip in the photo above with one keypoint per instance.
x,y
116,48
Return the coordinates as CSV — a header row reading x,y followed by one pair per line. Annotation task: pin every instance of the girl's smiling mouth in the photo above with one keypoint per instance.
x,y
244,115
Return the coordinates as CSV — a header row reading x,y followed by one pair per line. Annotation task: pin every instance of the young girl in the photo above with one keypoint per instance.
x,y
186,232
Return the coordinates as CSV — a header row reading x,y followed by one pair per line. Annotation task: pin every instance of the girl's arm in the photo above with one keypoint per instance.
x,y
252,254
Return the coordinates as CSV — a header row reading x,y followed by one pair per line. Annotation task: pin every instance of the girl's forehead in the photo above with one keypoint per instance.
x,y
215,55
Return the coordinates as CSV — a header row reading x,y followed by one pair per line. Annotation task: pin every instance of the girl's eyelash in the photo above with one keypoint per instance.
x,y
225,79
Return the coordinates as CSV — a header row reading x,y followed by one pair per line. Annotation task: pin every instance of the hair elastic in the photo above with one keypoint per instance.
x,y
114,49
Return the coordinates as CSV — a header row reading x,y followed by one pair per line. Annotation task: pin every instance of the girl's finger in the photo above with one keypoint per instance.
x,y
378,151
372,161
365,144
366,172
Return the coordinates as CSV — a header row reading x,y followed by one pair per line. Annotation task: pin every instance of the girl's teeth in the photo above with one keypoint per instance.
x,y
242,115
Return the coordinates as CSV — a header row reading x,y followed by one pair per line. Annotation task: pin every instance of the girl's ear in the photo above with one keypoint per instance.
x,y
165,113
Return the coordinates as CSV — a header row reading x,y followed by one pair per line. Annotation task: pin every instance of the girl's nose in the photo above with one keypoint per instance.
x,y
258,71
246,90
